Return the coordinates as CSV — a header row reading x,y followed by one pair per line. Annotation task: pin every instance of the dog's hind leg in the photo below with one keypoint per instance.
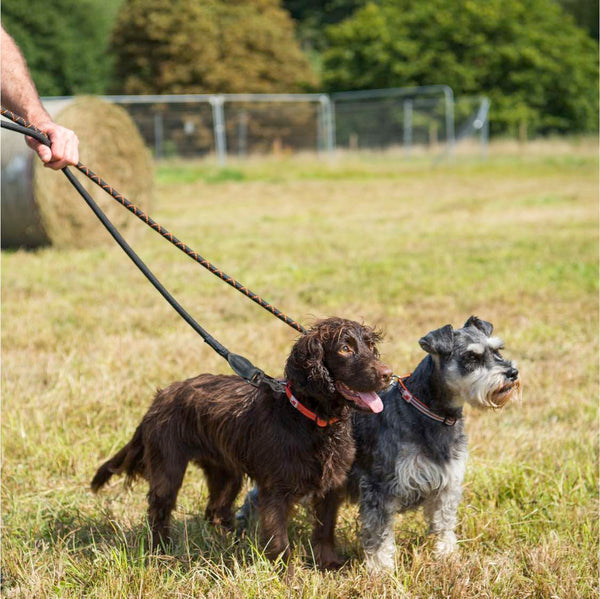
x,y
248,511
165,478
223,487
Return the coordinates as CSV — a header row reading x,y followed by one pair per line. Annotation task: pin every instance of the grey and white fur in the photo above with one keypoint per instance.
x,y
405,459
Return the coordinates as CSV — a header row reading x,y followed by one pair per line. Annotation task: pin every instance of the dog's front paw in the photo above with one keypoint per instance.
x,y
379,556
445,544
327,558
381,560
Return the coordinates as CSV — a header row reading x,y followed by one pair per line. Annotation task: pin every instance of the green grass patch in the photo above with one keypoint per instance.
x,y
405,246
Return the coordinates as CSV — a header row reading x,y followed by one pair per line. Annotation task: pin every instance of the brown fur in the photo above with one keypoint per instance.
x,y
230,428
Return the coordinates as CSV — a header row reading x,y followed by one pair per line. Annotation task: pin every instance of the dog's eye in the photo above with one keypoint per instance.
x,y
345,349
474,357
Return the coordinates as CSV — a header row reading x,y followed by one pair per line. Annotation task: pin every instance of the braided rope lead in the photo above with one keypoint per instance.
x,y
165,233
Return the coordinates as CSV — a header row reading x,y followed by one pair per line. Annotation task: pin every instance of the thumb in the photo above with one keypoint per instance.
x,y
44,152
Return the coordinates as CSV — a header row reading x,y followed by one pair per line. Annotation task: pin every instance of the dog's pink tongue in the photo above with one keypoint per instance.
x,y
372,401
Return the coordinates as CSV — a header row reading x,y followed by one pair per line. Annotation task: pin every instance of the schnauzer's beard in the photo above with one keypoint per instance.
x,y
483,388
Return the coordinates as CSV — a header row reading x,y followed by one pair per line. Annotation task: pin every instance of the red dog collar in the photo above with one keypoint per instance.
x,y
304,410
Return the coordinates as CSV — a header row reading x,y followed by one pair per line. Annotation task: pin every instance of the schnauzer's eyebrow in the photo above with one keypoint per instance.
x,y
495,343
476,348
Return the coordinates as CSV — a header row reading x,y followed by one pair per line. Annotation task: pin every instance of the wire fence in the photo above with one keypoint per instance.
x,y
426,120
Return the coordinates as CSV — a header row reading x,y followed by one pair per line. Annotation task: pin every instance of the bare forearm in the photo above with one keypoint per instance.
x,y
19,93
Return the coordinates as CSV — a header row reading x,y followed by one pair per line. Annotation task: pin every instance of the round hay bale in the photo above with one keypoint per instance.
x,y
39,205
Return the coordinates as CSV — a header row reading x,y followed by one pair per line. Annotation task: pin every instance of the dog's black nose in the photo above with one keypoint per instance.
x,y
385,372
512,373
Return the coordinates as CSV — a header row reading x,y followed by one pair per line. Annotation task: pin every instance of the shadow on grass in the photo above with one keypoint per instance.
x,y
194,543
88,535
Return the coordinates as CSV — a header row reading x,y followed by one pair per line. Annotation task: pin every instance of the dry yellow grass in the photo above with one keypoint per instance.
x,y
85,342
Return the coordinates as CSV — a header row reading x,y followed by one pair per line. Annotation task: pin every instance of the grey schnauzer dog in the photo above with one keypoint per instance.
x,y
414,453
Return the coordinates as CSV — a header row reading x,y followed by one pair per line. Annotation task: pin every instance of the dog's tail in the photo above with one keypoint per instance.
x,y
128,460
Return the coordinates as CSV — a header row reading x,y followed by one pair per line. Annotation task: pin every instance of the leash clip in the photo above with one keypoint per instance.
x,y
251,374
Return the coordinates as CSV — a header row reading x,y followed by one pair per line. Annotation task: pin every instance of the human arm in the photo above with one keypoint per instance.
x,y
20,95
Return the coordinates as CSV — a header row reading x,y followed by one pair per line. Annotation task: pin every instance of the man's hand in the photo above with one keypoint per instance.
x,y
65,146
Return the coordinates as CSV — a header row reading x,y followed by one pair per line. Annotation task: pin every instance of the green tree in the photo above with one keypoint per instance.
x,y
64,42
585,13
313,16
200,46
539,69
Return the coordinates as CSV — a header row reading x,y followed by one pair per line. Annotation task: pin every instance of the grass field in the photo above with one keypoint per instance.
x,y
404,246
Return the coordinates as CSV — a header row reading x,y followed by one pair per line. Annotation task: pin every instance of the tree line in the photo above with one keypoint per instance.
x,y
536,59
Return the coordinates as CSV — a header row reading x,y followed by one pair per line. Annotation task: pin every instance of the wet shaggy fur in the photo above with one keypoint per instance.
x,y
230,428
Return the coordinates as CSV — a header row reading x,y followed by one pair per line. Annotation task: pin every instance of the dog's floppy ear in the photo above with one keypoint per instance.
x,y
485,327
439,341
305,368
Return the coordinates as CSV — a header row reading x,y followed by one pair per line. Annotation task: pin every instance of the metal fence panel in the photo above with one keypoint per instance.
x,y
198,125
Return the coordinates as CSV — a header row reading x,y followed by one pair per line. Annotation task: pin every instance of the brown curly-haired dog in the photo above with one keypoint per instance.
x,y
291,446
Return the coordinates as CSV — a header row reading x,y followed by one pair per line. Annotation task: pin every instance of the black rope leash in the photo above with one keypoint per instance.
x,y
239,364
15,118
